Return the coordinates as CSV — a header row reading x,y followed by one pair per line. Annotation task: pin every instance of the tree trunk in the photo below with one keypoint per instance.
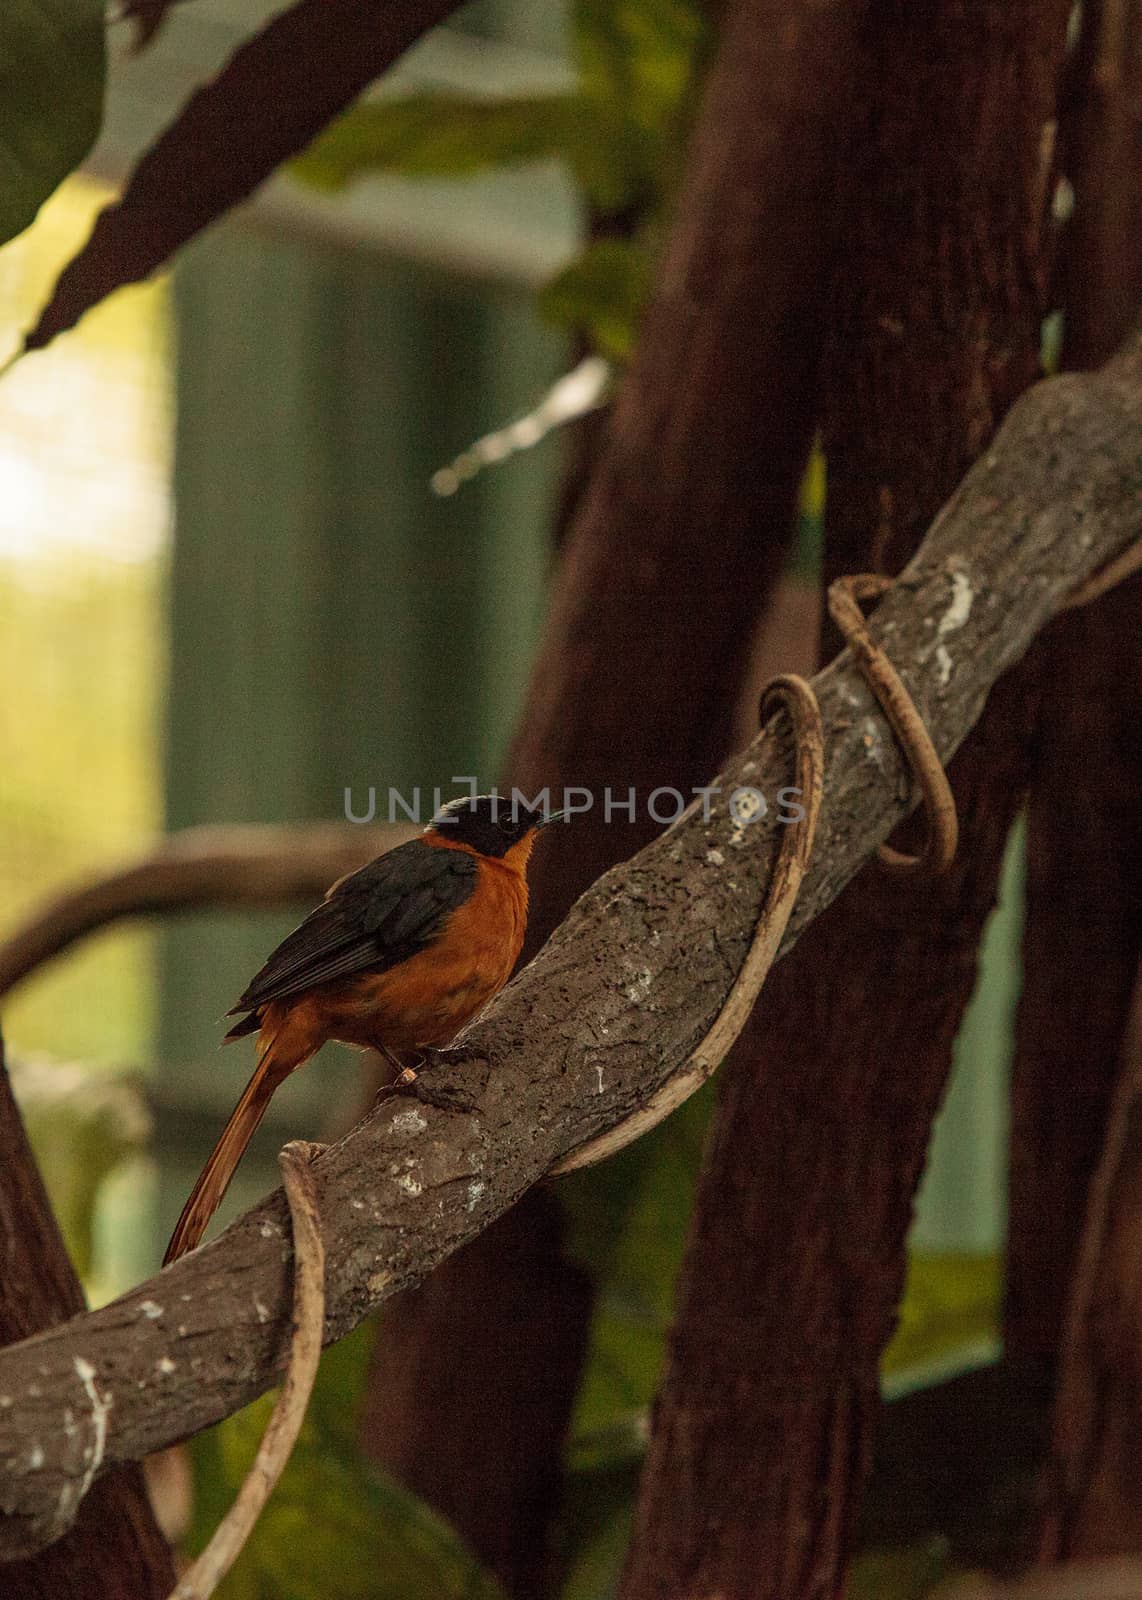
x,y
114,1551
796,1259
1103,161
1084,859
667,566
1094,1507
1084,906
1081,948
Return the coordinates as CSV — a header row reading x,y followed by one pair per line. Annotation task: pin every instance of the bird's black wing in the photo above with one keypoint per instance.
x,y
370,921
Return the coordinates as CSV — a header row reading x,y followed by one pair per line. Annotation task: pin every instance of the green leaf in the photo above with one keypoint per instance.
x,y
602,294
950,1308
52,69
908,1572
643,55
334,1525
640,63
456,136
598,1511
437,136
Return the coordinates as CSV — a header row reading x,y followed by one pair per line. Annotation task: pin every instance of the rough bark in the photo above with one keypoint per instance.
x,y
1084,857
114,1550
1102,155
1081,947
1094,1508
616,1000
673,550
795,1262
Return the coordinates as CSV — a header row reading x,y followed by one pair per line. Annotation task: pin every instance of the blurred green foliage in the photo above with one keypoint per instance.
x,y
52,69
82,1126
334,1526
621,132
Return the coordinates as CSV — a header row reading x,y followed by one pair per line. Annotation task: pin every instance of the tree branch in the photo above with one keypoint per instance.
x,y
620,995
198,867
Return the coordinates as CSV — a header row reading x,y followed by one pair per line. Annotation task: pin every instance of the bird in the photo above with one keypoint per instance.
x,y
398,957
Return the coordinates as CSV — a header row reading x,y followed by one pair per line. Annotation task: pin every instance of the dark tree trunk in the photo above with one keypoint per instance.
x,y
1084,905
1081,948
115,1550
796,1259
1094,1507
666,568
1084,856
1102,157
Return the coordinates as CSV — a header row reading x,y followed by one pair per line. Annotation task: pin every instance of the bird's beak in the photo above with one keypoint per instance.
x,y
553,816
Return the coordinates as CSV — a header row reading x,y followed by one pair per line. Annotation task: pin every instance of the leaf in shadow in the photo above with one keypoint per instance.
x,y
52,66
603,294
268,102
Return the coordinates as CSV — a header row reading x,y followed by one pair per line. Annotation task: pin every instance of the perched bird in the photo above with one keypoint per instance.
x,y
397,957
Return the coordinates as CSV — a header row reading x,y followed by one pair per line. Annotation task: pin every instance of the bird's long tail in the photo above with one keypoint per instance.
x,y
279,1054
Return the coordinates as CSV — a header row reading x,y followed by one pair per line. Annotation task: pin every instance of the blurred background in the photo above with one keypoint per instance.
x,y
228,594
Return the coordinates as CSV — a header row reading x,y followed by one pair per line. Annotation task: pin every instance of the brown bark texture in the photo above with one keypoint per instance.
x,y
674,548
113,1550
1094,1508
1082,938
617,999
795,1262
1102,158
1084,854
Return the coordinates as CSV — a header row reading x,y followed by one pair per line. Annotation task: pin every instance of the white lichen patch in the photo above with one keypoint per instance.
x,y
165,1365
269,1230
958,612
410,1122
476,1189
378,1282
599,1079
150,1310
640,985
261,1310
715,858
943,664
409,1184
100,1410
358,1205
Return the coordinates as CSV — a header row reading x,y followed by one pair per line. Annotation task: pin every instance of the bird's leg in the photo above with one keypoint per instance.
x,y
426,1056
396,1063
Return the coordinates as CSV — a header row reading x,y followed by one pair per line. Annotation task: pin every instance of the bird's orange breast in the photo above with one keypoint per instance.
x,y
426,1000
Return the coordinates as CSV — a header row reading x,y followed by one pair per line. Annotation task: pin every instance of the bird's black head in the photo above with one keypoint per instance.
x,y
489,823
